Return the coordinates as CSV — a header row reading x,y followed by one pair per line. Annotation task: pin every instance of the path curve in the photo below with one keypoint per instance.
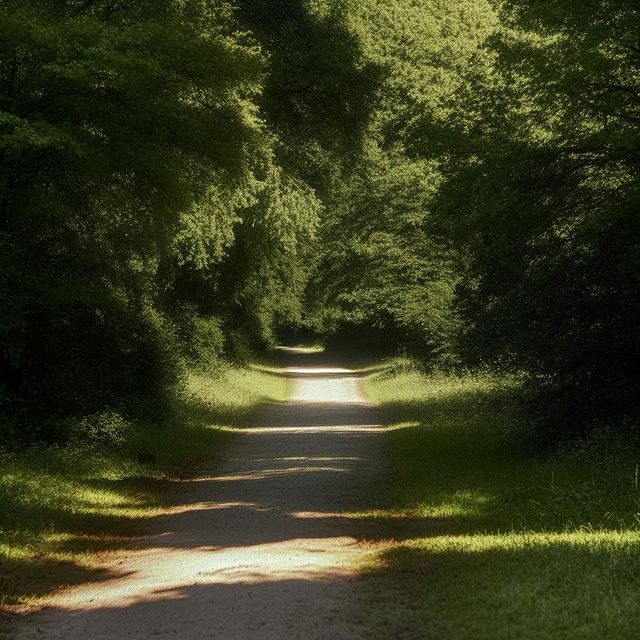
x,y
256,549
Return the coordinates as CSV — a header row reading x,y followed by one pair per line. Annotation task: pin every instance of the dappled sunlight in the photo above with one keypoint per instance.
x,y
318,389
305,559
434,204
529,540
316,371
408,424
61,489
316,515
454,504
444,506
316,429
267,473
271,528
200,506
63,509
301,350
486,541
517,584
307,459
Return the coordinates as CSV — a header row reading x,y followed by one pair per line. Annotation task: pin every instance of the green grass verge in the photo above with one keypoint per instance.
x,y
61,509
487,542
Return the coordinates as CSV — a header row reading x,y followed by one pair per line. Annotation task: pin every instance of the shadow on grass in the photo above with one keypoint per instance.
x,y
46,539
507,544
457,451
529,590
576,585
261,538
59,506
473,540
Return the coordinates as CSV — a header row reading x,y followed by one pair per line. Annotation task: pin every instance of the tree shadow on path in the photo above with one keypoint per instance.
x,y
265,543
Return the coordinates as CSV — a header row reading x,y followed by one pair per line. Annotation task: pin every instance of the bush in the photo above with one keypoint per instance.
x,y
107,429
202,339
238,347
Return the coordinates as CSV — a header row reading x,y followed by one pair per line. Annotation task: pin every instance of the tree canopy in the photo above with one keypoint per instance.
x,y
181,178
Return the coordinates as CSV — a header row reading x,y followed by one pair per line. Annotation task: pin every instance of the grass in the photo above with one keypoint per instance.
x,y
62,509
497,543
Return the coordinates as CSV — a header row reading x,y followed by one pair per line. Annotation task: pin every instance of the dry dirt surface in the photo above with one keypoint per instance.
x,y
259,546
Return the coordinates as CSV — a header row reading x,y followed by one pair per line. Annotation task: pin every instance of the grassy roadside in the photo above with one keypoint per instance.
x,y
498,544
62,509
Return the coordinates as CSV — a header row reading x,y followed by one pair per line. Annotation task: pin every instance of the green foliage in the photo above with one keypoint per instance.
x,y
388,269
491,217
143,215
551,220
202,339
103,430
455,179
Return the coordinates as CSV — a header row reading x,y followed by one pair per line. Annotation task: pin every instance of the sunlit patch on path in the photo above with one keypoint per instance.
x,y
258,547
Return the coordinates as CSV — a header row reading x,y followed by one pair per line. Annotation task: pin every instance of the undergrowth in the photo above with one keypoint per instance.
x,y
503,543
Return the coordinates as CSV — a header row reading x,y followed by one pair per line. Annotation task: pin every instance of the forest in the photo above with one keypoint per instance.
x,y
186,183
180,179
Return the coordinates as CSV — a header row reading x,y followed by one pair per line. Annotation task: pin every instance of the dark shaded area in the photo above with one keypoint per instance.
x,y
319,86
508,592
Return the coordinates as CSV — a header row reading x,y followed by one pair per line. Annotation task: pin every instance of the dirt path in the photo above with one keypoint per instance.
x,y
257,548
